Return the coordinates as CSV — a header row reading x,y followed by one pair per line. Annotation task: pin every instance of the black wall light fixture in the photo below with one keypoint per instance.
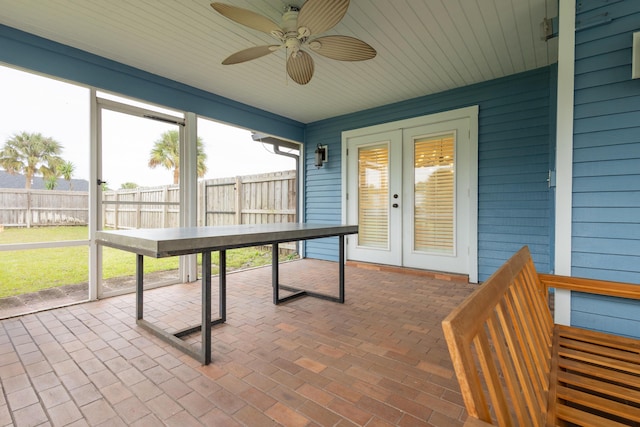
x,y
322,155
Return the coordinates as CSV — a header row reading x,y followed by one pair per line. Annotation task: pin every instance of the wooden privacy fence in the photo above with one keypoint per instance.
x,y
27,208
252,199
143,207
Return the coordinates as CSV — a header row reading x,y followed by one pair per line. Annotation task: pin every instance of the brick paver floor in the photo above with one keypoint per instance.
x,y
378,360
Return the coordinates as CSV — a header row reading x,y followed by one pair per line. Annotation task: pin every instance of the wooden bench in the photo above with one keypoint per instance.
x,y
516,367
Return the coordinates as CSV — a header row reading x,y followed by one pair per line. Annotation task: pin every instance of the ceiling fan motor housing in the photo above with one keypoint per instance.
x,y
290,22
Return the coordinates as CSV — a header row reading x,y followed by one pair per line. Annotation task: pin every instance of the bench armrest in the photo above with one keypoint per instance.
x,y
591,286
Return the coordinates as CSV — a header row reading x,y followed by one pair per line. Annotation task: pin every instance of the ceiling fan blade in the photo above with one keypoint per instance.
x,y
249,54
300,67
321,15
246,17
342,48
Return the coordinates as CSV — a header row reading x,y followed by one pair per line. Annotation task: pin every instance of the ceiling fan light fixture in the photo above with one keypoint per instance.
x,y
315,45
303,32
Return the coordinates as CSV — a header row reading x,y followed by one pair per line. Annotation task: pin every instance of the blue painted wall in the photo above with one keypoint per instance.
x,y
42,55
516,134
606,199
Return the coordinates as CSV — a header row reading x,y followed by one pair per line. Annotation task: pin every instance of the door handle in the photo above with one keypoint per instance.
x,y
395,205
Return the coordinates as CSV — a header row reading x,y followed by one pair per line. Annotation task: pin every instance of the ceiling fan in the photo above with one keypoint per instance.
x,y
295,32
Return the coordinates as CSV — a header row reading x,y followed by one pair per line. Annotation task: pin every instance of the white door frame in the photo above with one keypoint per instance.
x,y
187,264
470,113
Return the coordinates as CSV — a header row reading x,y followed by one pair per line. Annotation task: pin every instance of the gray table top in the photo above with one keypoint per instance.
x,y
164,242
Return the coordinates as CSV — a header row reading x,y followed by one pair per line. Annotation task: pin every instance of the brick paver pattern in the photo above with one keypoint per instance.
x,y
378,360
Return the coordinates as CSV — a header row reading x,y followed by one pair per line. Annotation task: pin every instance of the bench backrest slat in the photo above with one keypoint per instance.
x,y
504,363
499,339
533,340
518,356
494,387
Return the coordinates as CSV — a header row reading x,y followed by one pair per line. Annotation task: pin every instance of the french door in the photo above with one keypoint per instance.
x,y
374,197
411,190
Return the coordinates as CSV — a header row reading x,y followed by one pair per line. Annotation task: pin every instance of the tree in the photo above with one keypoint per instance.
x,y
51,182
66,170
128,186
166,152
31,154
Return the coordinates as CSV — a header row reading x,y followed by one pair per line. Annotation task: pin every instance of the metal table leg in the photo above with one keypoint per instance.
x,y
202,354
139,285
274,273
222,286
206,308
341,260
301,292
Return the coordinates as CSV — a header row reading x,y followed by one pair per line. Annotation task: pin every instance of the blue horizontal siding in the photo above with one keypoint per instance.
x,y
621,183
618,90
609,199
608,246
623,120
514,139
608,263
620,166
606,199
606,214
606,138
495,150
594,63
607,314
606,152
602,230
603,274
608,107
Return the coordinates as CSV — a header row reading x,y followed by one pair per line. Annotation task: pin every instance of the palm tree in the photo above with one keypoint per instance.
x,y
51,182
166,152
66,170
31,154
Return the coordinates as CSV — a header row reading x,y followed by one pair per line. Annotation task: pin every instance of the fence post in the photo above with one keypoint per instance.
x,y
29,209
138,209
165,207
116,220
239,199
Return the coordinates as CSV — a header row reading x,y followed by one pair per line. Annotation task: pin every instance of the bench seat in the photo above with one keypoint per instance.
x,y
516,367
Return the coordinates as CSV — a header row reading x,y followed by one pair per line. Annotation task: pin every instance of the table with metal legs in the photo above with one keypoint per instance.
x,y
166,242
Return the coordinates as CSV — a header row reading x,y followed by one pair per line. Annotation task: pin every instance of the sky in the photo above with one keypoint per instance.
x,y
35,104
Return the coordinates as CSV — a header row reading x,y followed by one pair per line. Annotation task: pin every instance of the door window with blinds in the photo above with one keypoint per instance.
x,y
373,196
434,194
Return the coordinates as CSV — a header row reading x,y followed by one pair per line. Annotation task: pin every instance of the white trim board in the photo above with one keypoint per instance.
x,y
564,156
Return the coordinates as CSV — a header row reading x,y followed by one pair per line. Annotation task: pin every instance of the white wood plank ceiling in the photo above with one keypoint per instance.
x,y
424,47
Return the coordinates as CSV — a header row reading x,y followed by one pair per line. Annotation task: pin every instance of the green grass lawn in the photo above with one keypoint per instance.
x,y
32,270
